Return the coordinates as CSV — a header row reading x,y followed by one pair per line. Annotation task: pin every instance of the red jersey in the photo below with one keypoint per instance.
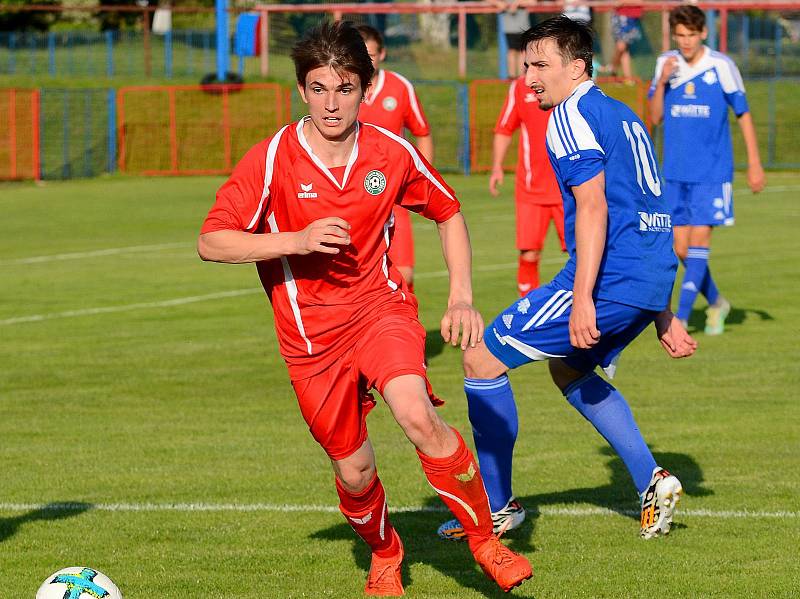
x,y
536,182
322,302
632,12
392,103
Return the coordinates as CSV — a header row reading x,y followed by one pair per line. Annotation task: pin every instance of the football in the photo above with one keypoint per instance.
x,y
78,583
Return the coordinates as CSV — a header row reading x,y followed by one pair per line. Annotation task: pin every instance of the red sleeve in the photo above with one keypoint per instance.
x,y
425,191
242,198
508,121
413,116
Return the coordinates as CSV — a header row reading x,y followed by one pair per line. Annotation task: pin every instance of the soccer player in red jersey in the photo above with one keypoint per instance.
x,y
392,103
538,197
312,207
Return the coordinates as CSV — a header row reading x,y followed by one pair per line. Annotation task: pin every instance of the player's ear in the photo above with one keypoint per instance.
x,y
704,34
382,55
578,68
302,90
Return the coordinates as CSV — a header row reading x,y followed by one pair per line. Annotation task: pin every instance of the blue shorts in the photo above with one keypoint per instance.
x,y
537,328
699,204
626,29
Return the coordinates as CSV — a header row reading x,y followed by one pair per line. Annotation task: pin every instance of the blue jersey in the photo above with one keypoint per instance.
x,y
697,137
589,133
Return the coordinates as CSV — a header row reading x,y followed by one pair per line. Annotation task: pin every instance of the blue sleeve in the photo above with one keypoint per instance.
x,y
738,102
572,139
580,167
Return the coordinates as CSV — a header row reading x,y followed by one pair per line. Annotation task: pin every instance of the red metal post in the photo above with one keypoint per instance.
x,y
12,132
462,44
665,33
173,132
337,15
723,29
35,135
263,32
121,130
226,129
146,42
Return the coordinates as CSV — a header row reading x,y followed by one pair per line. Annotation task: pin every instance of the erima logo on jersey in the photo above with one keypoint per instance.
x,y
523,305
507,319
306,193
655,222
697,111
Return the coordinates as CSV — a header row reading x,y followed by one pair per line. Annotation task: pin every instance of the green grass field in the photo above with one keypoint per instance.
x,y
144,388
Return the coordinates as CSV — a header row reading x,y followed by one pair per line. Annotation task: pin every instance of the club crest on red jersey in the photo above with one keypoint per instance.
x,y
374,182
389,103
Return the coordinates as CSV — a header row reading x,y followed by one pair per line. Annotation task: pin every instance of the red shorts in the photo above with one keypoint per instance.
x,y
532,223
335,402
401,252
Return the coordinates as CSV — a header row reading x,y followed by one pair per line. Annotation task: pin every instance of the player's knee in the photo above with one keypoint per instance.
x,y
530,255
478,365
420,424
563,376
356,477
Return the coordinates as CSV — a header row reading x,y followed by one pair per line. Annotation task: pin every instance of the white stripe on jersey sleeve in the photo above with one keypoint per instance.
x,y
415,157
412,99
291,287
269,165
578,130
729,77
511,102
554,139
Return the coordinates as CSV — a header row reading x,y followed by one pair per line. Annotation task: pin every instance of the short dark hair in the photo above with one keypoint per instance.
x,y
689,16
338,45
575,40
369,33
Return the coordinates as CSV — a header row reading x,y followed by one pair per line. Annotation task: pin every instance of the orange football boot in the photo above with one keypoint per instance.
x,y
384,578
498,562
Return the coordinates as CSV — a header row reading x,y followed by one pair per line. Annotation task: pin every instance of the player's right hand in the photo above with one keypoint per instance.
x,y
321,235
495,179
583,331
670,66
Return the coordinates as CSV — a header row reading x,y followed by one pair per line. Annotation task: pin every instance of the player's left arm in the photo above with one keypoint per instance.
x,y
733,90
755,172
672,335
591,223
461,319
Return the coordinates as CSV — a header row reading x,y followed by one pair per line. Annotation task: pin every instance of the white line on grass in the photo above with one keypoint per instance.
x,y
133,249
289,508
128,307
214,296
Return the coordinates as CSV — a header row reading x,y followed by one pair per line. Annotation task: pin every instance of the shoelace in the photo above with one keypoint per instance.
x,y
501,553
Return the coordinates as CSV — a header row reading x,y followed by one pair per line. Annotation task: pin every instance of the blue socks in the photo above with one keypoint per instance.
x,y
493,414
602,405
697,278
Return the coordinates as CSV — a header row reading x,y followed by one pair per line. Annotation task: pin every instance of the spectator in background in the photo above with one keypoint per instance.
x,y
626,27
515,22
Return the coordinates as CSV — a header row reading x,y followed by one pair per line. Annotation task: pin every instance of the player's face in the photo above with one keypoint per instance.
x,y
547,75
377,56
689,41
333,101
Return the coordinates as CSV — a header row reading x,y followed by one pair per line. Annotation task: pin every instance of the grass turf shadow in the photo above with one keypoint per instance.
x,y
51,511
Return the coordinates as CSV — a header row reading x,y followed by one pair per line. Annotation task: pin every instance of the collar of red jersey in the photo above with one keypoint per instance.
x,y
316,160
376,88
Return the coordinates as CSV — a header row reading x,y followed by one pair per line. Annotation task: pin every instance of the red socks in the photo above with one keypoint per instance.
x,y
367,513
527,276
458,482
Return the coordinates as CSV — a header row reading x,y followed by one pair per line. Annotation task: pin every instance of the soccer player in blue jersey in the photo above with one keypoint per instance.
x,y
691,92
617,281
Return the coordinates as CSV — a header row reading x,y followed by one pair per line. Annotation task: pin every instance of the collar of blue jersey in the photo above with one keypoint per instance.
x,y
580,87
686,72
321,165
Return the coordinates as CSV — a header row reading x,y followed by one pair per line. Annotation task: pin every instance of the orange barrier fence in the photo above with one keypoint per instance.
x,y
194,129
19,134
